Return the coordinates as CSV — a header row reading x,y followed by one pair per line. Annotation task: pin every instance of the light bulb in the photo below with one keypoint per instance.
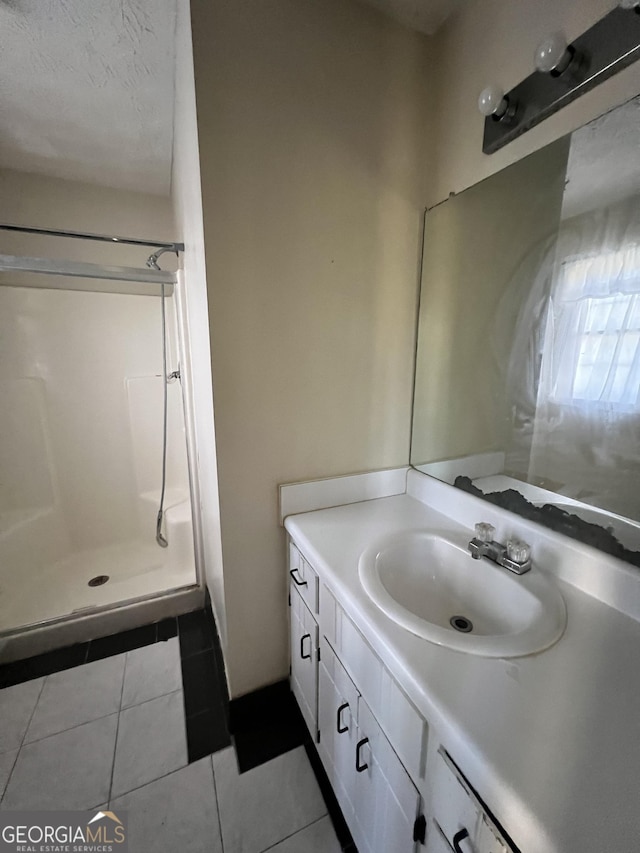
x,y
552,54
492,102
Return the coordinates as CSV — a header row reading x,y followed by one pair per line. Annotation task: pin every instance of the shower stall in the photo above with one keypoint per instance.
x,y
95,482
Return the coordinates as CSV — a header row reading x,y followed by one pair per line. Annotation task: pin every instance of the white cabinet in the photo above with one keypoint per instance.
x,y
378,799
304,660
374,744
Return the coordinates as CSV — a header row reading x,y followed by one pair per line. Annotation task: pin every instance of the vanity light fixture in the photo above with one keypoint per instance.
x,y
492,102
553,55
563,73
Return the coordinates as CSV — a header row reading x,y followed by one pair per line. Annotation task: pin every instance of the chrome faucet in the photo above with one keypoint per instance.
x,y
515,555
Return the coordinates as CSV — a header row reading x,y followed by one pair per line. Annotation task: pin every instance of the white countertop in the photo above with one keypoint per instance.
x,y
551,741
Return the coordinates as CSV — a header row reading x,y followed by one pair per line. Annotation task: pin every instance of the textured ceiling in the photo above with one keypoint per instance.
x,y
86,90
604,161
423,15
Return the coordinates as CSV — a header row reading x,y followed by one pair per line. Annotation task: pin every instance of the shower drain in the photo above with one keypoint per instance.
x,y
98,580
462,624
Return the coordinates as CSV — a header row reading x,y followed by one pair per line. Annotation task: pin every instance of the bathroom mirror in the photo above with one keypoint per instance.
x,y
527,383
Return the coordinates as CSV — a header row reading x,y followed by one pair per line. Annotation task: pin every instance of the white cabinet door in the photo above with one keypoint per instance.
x,y
304,660
337,722
386,802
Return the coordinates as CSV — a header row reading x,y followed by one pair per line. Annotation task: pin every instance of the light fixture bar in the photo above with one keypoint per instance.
x,y
607,47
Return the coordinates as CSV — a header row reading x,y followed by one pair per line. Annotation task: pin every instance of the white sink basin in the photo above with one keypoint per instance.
x,y
422,581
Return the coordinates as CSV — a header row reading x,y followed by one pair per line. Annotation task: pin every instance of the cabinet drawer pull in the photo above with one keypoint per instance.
x,y
302,639
295,579
361,767
341,729
457,838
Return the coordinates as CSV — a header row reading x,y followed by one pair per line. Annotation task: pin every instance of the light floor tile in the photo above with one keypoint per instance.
x,y
320,837
267,804
151,742
70,770
77,696
175,813
16,706
152,671
7,760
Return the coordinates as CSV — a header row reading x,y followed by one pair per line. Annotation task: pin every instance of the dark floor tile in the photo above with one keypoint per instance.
x,y
267,706
117,644
201,684
206,733
197,633
45,664
265,724
333,807
167,629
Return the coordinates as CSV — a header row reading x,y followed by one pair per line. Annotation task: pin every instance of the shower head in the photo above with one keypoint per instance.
x,y
152,260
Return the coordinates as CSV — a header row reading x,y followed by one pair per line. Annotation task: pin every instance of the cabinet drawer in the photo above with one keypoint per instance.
x,y
304,578
456,808
404,725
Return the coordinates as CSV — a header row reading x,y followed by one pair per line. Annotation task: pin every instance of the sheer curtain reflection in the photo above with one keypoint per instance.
x,y
587,419
597,299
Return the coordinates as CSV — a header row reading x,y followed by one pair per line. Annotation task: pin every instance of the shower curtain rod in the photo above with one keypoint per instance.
x,y
77,269
103,238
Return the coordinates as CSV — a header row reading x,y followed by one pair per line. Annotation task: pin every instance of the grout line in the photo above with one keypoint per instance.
x,y
150,782
115,742
302,828
152,699
71,728
15,761
215,794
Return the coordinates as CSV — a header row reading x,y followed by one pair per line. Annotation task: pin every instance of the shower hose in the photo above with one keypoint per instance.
x,y
160,539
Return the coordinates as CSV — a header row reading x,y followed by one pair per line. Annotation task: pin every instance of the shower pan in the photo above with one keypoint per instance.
x,y
95,482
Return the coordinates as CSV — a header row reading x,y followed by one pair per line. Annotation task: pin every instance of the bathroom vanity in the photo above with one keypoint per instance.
x,y
436,745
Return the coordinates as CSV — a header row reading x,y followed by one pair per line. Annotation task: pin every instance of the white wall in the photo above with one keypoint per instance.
x,y
192,298
494,41
314,140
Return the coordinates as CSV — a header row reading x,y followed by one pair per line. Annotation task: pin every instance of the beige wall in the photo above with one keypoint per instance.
x,y
29,199
313,148
493,41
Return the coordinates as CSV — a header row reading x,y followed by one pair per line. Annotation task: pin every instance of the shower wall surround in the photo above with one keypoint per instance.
x,y
81,453
81,420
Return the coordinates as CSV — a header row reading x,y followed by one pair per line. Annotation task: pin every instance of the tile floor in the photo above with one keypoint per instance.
x,y
112,731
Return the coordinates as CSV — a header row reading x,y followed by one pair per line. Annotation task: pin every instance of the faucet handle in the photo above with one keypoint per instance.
x,y
485,531
518,551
